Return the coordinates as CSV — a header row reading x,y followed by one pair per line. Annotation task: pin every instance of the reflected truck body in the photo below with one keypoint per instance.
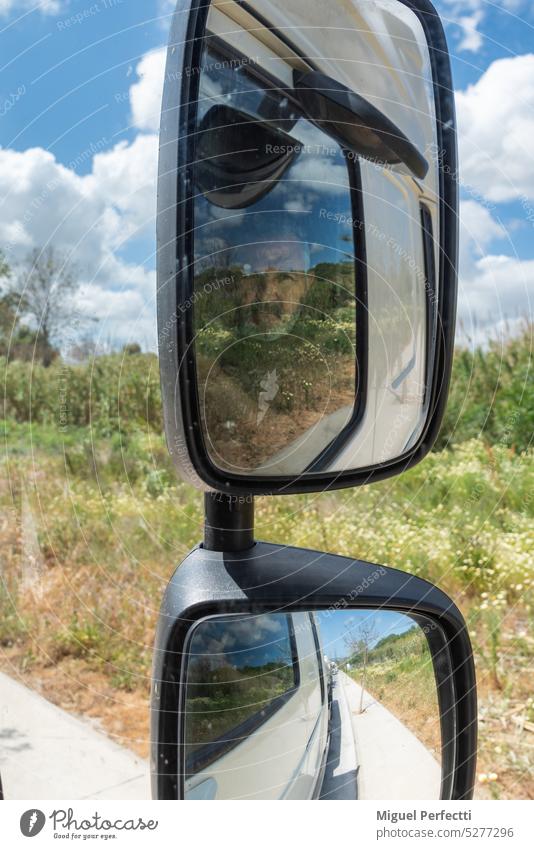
x,y
257,709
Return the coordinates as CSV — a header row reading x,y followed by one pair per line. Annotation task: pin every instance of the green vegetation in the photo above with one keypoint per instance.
x,y
236,670
112,394
492,394
220,699
400,675
309,373
37,308
93,521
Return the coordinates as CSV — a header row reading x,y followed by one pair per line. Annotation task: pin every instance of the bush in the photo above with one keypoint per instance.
x,y
492,394
110,393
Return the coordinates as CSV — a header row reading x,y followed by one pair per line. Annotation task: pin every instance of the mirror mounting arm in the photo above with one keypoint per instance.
x,y
228,522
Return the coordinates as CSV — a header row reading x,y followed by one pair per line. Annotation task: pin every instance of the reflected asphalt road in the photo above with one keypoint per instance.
x,y
341,773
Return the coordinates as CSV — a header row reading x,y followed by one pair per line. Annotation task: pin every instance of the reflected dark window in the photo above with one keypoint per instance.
x,y
275,287
241,670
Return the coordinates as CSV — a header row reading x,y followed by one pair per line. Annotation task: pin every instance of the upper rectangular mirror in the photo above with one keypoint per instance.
x,y
307,241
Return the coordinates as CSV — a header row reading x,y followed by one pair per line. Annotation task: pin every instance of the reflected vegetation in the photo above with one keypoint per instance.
x,y
275,356
239,669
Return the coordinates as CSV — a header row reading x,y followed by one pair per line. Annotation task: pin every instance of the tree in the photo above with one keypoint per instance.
x,y
13,333
46,286
8,321
131,349
5,271
7,311
17,340
360,643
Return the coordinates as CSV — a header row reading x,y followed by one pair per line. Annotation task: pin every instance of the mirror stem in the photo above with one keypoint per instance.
x,y
228,522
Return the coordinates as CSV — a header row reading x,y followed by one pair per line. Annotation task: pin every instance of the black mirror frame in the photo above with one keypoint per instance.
x,y
174,278
268,578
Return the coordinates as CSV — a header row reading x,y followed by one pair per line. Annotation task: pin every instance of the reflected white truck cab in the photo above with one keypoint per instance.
x,y
284,757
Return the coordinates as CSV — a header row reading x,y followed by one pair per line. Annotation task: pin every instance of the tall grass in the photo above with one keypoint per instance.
x,y
110,393
492,394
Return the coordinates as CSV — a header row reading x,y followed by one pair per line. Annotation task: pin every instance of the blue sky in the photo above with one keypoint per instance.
x,y
339,626
79,92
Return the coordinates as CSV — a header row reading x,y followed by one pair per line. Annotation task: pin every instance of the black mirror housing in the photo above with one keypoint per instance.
x,y
179,184
269,578
305,216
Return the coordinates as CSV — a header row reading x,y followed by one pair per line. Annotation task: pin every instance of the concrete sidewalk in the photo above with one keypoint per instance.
x,y
45,753
394,764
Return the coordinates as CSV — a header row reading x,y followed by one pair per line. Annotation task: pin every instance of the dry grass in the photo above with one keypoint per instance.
x,y
90,533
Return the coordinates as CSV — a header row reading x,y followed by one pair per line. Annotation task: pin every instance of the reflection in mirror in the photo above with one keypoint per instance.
x,y
275,284
329,705
310,263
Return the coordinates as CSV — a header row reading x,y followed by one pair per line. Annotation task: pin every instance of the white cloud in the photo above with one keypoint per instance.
x,y
42,201
47,7
471,39
125,314
323,175
94,215
478,229
498,291
513,5
125,177
469,15
478,224
145,95
494,289
496,127
167,7
89,218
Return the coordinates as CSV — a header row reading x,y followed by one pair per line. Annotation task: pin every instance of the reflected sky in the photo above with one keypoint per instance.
x,y
337,624
317,183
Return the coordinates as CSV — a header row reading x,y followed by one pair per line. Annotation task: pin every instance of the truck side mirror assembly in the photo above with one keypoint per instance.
x,y
307,253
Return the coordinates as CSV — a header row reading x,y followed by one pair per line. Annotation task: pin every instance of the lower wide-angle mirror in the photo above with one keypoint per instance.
x,y
286,673
328,705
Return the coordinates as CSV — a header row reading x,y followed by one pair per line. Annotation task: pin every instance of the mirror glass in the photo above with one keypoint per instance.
x,y
328,705
313,253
